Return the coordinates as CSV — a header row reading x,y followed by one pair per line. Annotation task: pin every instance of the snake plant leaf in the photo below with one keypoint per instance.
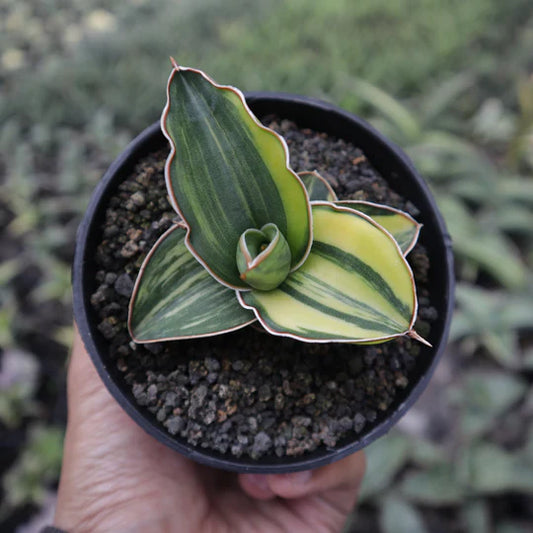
x,y
355,286
263,257
227,173
402,226
399,224
175,297
317,187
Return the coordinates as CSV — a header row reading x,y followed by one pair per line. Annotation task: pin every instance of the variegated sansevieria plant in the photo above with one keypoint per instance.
x,y
258,242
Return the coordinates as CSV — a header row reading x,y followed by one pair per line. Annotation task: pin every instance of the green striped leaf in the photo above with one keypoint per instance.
x,y
226,173
355,286
402,226
175,297
317,187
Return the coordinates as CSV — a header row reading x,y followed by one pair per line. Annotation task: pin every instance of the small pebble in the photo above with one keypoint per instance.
x,y
152,392
174,424
262,443
124,285
138,199
359,422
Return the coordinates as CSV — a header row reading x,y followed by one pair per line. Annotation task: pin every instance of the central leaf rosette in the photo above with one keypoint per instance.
x,y
259,242
263,257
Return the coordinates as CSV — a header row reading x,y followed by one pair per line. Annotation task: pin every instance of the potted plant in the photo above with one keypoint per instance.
x,y
261,319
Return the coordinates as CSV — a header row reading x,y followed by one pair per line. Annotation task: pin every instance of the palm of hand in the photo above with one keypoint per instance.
x,y
117,478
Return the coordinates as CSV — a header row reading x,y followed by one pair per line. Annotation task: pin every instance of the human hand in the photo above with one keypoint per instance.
x,y
117,478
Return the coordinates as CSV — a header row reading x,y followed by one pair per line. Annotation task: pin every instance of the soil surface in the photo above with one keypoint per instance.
x,y
247,392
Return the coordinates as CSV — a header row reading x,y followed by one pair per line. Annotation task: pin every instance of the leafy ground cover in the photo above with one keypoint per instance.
x,y
450,82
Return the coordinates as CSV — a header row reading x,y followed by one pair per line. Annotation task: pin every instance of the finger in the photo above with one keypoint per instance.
x,y
81,371
256,486
344,475
87,395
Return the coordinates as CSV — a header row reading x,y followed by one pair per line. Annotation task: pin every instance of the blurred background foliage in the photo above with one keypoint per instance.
x,y
451,82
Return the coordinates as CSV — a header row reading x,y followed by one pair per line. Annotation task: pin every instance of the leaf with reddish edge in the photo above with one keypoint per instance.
x,y
399,224
263,257
317,187
227,173
176,298
402,226
355,286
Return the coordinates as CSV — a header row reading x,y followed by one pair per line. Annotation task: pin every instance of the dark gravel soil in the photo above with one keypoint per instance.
x,y
249,392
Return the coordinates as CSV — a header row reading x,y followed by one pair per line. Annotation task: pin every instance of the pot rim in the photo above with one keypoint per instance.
x,y
89,226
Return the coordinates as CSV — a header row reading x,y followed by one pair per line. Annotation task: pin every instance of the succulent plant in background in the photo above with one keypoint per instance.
x,y
258,242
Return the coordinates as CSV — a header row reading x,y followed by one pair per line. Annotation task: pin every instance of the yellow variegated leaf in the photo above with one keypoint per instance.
x,y
355,286
402,226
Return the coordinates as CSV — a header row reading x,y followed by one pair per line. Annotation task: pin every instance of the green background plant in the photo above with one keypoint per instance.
x,y
449,81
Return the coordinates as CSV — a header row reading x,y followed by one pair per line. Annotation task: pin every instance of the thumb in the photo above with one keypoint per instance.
x,y
339,481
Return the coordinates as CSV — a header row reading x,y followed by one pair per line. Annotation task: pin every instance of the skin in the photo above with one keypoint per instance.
x,y
117,478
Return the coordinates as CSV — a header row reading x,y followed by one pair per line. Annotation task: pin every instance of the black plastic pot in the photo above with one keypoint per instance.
x,y
390,161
